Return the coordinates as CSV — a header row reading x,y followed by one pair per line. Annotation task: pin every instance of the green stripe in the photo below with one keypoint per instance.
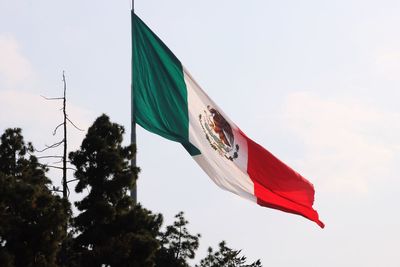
x,y
160,94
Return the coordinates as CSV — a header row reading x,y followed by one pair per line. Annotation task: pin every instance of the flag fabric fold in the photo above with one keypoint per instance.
x,y
169,102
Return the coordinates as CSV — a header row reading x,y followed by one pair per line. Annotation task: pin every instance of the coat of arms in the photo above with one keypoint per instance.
x,y
219,133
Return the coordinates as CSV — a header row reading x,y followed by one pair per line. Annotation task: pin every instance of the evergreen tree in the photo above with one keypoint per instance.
x,y
226,257
110,230
177,244
32,219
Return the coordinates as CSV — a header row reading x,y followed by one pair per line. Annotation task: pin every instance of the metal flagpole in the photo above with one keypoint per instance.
x,y
133,119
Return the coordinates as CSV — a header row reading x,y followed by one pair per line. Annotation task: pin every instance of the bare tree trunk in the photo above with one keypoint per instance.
x,y
64,169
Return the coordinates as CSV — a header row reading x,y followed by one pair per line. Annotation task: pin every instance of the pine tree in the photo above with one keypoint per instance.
x,y
226,257
178,245
32,218
110,230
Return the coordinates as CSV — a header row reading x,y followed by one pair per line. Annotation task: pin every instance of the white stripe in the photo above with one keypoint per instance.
x,y
228,174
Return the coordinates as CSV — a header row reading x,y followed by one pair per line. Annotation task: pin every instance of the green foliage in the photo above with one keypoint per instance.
x,y
178,245
32,218
226,257
110,230
13,151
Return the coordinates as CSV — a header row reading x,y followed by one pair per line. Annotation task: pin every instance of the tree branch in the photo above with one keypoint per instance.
x,y
56,167
56,162
51,146
52,98
55,130
45,157
76,127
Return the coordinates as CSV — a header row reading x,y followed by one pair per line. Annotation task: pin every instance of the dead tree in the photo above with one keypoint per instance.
x,y
63,142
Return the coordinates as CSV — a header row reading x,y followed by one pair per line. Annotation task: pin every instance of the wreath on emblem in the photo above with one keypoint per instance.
x,y
219,133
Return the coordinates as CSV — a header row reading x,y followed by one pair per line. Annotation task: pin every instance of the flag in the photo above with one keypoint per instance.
x,y
169,102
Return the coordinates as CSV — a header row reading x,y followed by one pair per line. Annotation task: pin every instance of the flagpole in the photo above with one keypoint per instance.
x,y
133,119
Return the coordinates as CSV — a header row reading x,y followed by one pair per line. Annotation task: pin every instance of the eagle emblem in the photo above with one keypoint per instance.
x,y
219,133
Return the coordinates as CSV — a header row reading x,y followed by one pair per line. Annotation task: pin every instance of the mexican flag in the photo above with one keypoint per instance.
x,y
170,103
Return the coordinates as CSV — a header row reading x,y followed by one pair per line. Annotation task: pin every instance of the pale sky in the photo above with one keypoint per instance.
x,y
317,83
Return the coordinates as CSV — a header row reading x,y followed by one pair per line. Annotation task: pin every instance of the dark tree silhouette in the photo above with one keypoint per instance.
x,y
226,257
178,245
31,217
110,230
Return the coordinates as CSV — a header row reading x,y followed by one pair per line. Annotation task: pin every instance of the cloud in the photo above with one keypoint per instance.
x,y
387,62
14,67
348,144
22,106
38,117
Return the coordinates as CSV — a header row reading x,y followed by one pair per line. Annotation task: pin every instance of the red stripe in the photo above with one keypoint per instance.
x,y
278,186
